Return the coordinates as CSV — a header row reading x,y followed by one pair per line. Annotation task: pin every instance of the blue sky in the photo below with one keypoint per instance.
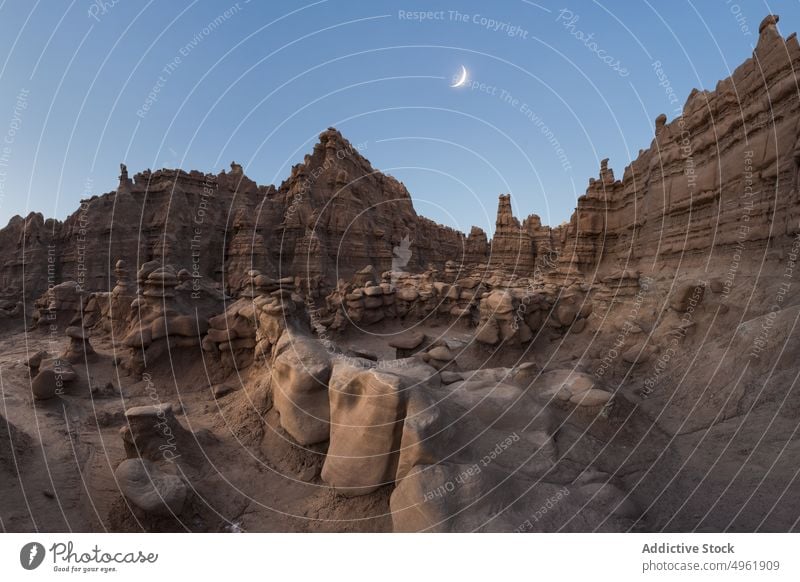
x,y
256,82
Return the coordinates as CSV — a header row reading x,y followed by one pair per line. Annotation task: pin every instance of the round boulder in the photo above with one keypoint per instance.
x,y
44,385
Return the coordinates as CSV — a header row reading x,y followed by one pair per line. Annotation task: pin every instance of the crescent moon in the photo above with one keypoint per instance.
x,y
462,79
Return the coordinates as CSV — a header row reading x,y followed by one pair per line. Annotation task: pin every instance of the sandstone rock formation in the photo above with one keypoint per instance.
x,y
512,247
150,489
575,378
300,228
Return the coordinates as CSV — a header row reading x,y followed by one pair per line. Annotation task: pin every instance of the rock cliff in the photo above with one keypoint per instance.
x,y
720,180
331,217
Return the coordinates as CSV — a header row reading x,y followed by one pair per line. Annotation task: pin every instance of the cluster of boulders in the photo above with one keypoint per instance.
x,y
79,346
111,312
59,303
514,314
232,335
400,294
251,325
371,303
158,321
505,308
412,422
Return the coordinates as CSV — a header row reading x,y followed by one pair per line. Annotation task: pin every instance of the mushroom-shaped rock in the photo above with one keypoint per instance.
x,y
79,346
153,432
149,488
36,360
45,385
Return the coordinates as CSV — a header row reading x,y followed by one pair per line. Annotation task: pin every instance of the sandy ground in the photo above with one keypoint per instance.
x,y
57,457
59,475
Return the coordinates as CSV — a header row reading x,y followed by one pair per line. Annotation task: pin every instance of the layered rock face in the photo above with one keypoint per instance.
x,y
341,215
523,249
167,215
714,178
476,246
332,216
719,178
